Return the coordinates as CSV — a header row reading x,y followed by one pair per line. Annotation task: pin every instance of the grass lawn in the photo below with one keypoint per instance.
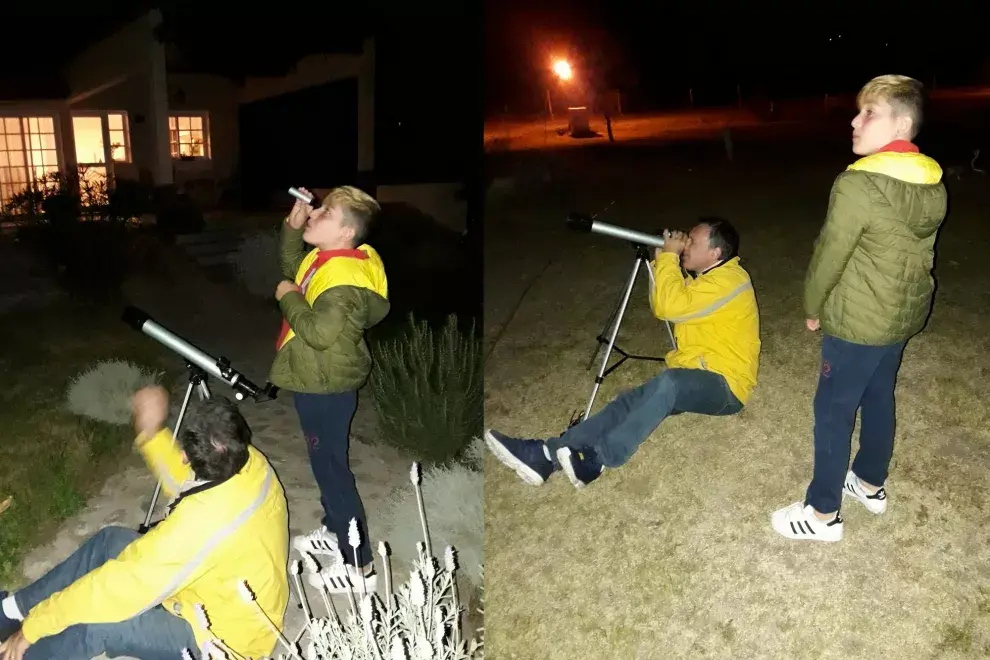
x,y
50,459
672,556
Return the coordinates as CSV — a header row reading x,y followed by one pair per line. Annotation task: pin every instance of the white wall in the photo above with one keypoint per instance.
x,y
126,72
218,97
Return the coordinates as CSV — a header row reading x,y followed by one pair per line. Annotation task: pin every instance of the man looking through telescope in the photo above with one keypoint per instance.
x,y
711,371
338,291
125,594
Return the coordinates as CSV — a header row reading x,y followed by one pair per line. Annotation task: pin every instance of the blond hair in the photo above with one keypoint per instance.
x,y
359,209
905,96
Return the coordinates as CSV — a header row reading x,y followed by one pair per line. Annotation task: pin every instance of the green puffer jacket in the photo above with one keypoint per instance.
x,y
322,348
870,279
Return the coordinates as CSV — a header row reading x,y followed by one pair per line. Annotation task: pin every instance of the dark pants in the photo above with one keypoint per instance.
x,y
617,431
852,376
154,635
326,425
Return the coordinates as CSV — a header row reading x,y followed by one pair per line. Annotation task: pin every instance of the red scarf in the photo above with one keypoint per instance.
x,y
321,258
901,147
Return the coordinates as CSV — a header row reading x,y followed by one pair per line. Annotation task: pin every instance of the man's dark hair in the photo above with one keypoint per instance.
x,y
722,235
215,439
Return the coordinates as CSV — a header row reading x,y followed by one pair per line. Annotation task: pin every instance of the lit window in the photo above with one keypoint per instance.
x,y
27,154
120,137
189,136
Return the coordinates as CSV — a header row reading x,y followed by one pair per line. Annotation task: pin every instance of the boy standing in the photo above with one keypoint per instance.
x,y
869,288
337,292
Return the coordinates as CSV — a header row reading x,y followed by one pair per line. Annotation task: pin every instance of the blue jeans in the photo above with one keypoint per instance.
x,y
154,635
852,376
326,425
617,431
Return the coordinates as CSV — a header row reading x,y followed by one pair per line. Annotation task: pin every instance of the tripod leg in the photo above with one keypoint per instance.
x,y
606,330
673,342
621,311
178,423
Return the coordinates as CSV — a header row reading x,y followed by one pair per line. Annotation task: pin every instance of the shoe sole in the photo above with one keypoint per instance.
x,y
507,459
564,458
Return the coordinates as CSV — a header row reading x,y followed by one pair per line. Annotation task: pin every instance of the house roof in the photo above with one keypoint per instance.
x,y
231,44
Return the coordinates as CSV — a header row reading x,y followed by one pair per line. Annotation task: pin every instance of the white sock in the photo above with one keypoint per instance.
x,y
546,452
10,609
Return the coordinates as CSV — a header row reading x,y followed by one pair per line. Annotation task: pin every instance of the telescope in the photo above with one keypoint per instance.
x,y
610,331
200,365
586,223
219,367
312,199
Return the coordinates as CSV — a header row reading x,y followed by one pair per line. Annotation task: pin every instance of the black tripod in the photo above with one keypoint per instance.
x,y
611,329
197,381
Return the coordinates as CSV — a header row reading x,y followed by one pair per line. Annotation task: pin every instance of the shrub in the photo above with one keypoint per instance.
x,y
428,390
456,496
79,227
423,619
104,392
256,263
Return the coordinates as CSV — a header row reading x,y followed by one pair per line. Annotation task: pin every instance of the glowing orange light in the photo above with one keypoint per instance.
x,y
563,70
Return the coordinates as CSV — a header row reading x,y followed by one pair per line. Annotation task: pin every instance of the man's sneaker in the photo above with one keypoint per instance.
x,y
320,541
8,626
875,503
529,458
336,578
581,466
798,521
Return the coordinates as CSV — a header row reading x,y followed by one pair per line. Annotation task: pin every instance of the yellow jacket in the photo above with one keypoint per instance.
x,y
716,320
236,530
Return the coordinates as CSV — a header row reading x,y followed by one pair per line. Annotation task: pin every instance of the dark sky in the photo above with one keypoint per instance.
x,y
660,49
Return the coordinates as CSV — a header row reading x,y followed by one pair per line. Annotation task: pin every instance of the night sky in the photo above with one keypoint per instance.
x,y
655,51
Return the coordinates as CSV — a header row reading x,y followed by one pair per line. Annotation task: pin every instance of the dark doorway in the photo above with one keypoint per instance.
x,y
306,139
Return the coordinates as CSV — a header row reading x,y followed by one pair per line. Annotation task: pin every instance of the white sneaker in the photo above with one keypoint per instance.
x,y
338,578
798,521
320,541
875,503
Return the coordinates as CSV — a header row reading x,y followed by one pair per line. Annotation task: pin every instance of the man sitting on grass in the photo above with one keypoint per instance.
x,y
712,370
124,594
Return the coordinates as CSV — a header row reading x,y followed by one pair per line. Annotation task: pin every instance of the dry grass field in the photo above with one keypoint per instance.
x,y
672,556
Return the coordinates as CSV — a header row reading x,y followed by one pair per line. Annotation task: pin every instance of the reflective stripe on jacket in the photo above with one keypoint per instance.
x,y
716,320
236,530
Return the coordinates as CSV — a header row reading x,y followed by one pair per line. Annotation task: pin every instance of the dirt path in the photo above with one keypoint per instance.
x,y
225,322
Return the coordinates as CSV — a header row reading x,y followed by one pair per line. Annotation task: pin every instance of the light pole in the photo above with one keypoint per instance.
x,y
561,69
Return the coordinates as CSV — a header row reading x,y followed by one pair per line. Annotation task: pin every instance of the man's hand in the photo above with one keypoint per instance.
x,y
15,647
812,324
284,287
674,242
150,407
300,212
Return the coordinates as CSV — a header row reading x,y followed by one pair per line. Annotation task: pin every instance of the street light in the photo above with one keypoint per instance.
x,y
562,69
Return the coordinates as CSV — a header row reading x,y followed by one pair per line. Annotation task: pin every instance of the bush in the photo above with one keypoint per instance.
x,y
456,496
423,619
104,392
428,390
79,227
256,263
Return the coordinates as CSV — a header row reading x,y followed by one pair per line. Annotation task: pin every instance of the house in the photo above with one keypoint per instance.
x,y
136,111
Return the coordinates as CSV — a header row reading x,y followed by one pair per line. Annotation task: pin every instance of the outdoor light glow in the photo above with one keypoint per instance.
x,y
562,69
